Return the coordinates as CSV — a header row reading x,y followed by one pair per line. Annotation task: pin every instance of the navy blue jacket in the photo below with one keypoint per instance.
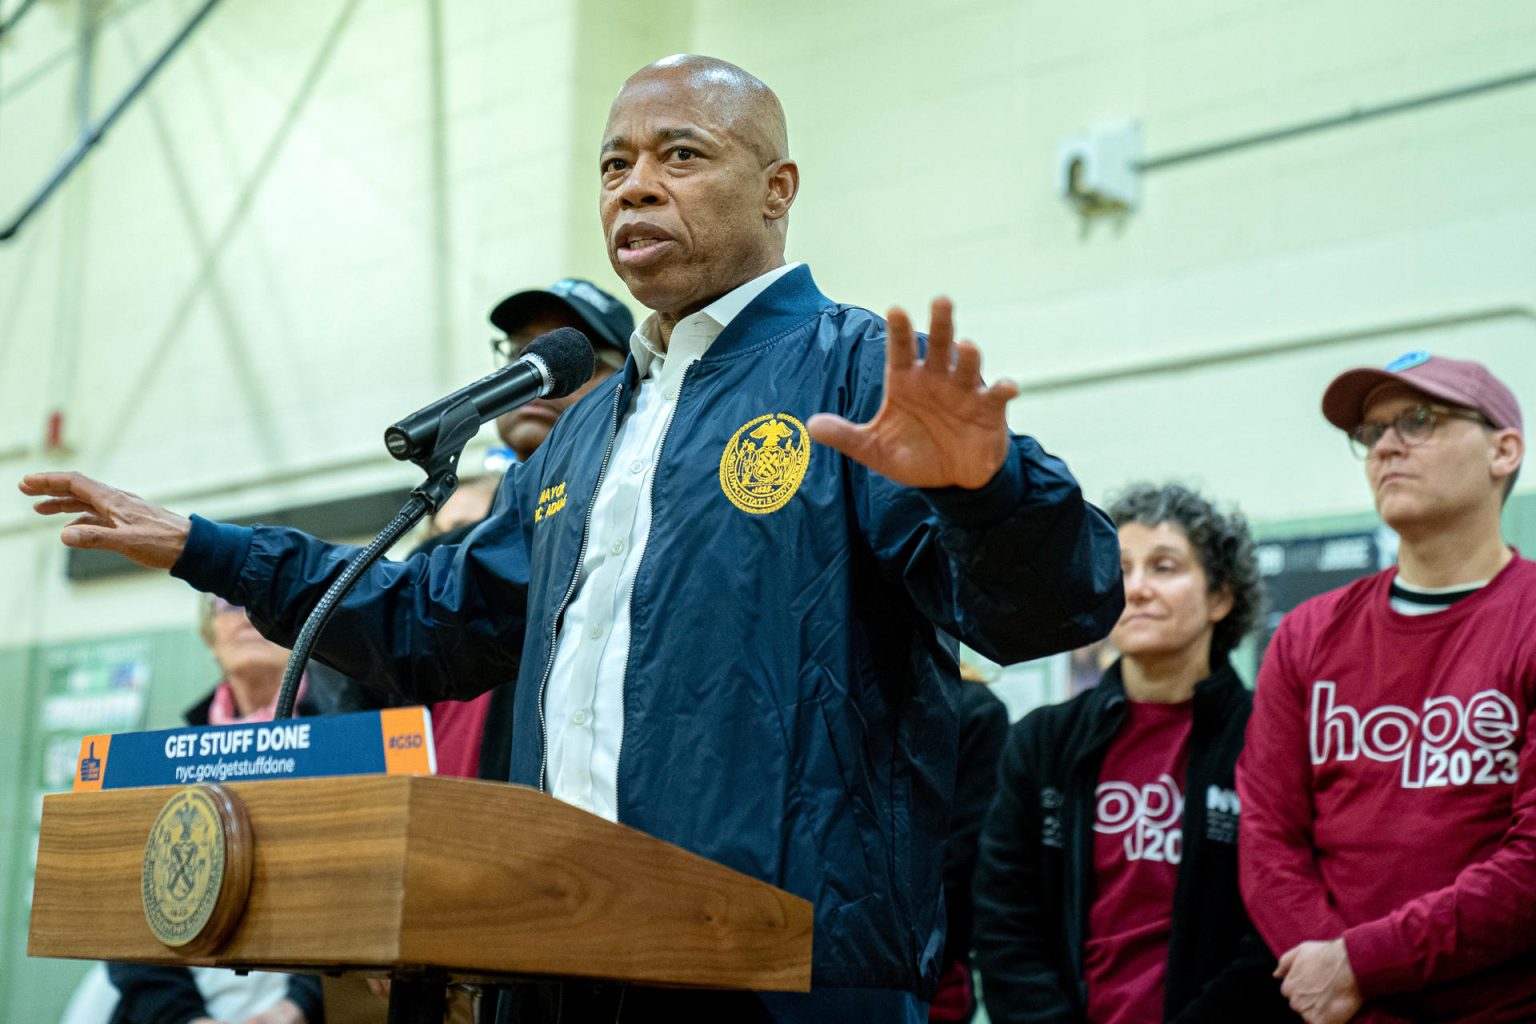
x,y
786,703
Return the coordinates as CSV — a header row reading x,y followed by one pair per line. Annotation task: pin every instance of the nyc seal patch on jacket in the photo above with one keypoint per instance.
x,y
764,462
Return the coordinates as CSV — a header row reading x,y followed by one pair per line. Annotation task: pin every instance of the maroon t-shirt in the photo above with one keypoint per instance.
x,y
1388,787
457,728
1138,843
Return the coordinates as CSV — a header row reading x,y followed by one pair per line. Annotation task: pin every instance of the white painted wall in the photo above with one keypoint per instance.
x,y
927,135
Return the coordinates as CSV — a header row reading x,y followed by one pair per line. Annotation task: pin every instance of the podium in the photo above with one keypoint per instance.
x,y
426,877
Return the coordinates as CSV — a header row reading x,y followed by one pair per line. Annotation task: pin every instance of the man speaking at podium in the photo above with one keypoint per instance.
x,y
728,608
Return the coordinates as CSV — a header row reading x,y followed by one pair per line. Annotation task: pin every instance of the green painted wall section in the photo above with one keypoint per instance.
x,y
179,670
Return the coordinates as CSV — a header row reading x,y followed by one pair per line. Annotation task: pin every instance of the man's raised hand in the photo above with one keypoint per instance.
x,y
939,424
109,519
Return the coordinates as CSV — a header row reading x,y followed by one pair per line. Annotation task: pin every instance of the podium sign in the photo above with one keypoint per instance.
x,y
394,741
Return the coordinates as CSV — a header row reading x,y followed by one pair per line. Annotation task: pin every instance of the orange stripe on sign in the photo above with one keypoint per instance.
x,y
407,741
91,768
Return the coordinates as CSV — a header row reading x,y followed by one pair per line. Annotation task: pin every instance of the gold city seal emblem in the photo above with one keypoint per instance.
x,y
196,871
764,462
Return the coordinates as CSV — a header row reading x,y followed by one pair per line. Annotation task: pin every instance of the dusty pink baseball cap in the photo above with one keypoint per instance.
x,y
1456,381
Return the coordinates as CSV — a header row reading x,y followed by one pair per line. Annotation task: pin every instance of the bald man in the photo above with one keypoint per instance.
x,y
728,583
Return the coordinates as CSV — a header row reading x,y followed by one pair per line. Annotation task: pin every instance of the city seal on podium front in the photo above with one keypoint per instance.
x,y
197,868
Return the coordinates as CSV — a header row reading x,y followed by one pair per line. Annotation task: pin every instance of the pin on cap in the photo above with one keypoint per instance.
x,y
1459,382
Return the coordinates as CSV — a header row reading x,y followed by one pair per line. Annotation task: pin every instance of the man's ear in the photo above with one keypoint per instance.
x,y
1508,452
783,186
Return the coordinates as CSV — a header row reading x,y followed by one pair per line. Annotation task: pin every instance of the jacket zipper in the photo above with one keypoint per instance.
x,y
650,507
570,591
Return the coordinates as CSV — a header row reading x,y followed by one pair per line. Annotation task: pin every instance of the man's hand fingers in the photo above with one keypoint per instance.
x,y
836,432
1286,961
55,506
900,342
60,485
1003,392
968,364
85,537
37,484
110,519
941,336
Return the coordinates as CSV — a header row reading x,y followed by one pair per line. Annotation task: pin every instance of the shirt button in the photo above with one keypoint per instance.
x,y
579,718
618,547
637,466
597,632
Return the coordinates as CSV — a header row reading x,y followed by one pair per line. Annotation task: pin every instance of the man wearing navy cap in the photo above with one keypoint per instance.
x,y
569,302
1388,838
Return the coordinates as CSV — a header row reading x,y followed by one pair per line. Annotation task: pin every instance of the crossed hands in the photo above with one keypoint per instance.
x,y
1317,979
939,424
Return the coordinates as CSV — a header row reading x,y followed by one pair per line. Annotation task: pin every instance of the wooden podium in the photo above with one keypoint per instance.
x,y
417,876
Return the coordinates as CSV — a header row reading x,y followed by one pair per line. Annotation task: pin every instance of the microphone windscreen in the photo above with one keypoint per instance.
x,y
567,354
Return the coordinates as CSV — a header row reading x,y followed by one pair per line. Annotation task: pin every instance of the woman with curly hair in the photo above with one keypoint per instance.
x,y
1107,885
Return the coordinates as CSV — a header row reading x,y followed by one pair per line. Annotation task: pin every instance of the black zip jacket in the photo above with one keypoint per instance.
x,y
1035,878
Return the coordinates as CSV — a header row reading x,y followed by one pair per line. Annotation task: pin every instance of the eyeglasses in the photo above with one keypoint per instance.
x,y
1414,425
506,349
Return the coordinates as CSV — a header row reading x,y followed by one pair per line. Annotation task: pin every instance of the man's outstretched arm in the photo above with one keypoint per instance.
x,y
445,626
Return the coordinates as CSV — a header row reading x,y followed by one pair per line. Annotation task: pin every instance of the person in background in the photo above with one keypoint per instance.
x,y
478,732
983,727
522,317
474,737
1107,885
569,302
463,510
252,668
1389,796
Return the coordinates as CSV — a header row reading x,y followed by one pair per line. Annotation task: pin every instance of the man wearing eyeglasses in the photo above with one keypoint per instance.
x,y
1388,839
475,736
569,302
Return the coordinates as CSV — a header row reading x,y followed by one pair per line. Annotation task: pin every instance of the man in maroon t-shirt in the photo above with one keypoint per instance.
x,y
1388,837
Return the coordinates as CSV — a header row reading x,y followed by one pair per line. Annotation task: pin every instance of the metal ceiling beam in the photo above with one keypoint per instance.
x,y
92,134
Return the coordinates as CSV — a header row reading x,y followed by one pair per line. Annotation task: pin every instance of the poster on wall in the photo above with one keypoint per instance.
x,y
89,688
1299,568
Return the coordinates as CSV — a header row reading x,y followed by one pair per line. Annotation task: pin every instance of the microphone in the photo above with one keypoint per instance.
x,y
553,366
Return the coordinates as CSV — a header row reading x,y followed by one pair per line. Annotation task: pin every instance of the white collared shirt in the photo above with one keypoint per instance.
x,y
584,697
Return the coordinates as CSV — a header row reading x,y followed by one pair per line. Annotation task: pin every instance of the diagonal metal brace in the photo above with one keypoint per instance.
x,y
10,23
93,134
